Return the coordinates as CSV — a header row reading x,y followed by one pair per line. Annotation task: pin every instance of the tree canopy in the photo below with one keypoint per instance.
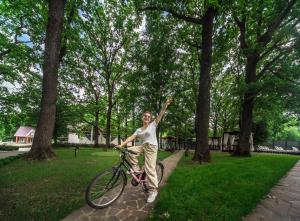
x,y
228,66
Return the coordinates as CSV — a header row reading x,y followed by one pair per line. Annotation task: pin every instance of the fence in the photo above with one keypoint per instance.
x,y
282,143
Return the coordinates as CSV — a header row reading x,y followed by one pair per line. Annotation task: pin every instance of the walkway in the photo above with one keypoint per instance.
x,y
4,154
131,206
283,202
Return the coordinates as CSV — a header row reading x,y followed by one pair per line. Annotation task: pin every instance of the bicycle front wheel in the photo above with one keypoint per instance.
x,y
105,188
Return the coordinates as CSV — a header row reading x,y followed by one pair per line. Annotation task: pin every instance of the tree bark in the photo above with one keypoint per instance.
x,y
126,126
133,120
243,148
158,130
41,147
108,120
119,128
96,129
215,127
202,152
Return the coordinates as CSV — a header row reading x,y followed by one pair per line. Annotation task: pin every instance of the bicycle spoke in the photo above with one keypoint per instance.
x,y
105,189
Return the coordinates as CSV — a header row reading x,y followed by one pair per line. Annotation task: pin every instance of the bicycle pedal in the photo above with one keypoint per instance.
x,y
134,182
145,190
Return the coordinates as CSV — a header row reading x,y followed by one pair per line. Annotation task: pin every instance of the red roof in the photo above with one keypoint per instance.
x,y
24,131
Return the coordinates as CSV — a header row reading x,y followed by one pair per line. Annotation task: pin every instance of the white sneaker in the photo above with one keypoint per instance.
x,y
152,196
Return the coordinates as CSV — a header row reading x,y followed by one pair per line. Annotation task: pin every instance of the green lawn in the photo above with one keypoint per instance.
x,y
227,189
51,190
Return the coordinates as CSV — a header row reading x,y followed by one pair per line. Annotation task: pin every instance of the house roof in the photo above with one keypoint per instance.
x,y
24,131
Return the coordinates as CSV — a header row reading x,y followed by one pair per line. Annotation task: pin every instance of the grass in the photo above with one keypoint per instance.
x,y
50,190
227,189
7,160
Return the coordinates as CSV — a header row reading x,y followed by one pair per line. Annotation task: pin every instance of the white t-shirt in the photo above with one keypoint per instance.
x,y
148,135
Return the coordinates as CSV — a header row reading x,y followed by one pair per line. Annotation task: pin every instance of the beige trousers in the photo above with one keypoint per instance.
x,y
150,153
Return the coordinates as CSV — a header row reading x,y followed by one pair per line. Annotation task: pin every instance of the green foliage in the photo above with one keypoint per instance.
x,y
290,130
290,134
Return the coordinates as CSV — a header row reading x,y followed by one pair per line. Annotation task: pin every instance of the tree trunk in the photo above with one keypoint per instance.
x,y
243,148
215,124
158,132
126,126
133,120
160,141
96,129
202,113
119,130
108,120
41,147
55,130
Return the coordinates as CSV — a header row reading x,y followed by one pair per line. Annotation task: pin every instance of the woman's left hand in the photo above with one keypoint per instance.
x,y
169,101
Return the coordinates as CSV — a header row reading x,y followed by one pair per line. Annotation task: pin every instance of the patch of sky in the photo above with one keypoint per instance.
x,y
25,39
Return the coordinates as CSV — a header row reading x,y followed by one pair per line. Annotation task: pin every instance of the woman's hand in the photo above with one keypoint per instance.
x,y
169,101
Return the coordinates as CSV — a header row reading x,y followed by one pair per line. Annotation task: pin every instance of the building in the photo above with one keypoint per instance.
x,y
86,137
25,134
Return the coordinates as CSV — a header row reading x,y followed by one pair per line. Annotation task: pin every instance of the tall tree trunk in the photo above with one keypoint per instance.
x,y
133,120
158,130
41,147
108,120
202,113
215,124
160,141
126,126
243,148
96,129
55,130
119,129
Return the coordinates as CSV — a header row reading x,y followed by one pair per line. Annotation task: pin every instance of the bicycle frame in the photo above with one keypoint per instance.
x,y
125,164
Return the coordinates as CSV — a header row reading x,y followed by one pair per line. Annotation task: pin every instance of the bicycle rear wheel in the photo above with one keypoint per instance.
x,y
159,171
105,188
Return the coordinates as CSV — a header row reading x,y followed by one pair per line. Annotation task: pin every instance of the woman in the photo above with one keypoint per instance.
x,y
147,134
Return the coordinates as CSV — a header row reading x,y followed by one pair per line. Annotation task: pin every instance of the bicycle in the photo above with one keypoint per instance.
x,y
106,187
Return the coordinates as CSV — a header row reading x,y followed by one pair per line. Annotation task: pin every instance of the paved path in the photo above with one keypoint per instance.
x,y
131,206
4,154
283,202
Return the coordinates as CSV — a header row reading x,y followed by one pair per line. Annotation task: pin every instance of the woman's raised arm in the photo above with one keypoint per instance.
x,y
163,110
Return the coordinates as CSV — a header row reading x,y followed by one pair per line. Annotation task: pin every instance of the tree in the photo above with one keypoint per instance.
x,y
106,31
205,23
41,147
261,26
19,57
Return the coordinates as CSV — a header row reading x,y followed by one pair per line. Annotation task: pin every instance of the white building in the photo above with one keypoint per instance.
x,y
88,138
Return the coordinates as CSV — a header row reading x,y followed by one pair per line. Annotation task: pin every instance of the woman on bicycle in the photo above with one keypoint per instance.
x,y
147,135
